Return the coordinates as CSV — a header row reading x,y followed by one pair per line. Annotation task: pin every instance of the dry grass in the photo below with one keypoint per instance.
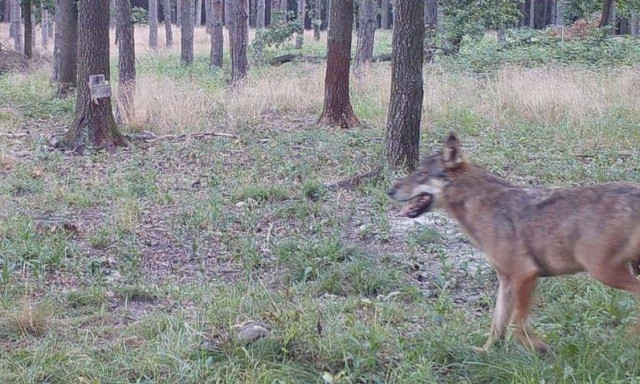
x,y
549,95
25,320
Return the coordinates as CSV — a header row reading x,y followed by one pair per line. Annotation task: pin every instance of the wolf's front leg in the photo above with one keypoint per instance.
x,y
502,313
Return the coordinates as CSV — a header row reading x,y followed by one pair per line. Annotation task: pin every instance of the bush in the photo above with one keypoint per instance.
x,y
139,15
527,47
281,30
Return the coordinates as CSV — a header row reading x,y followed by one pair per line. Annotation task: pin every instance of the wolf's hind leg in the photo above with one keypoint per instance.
x,y
623,276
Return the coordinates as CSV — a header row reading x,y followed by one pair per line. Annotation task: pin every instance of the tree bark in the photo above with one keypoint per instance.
x,y
229,6
217,39
45,28
532,13
168,33
317,18
153,24
405,106
607,11
28,31
57,38
193,13
7,14
239,61
126,60
366,34
16,25
284,6
198,20
186,41
300,16
51,26
260,14
94,125
178,13
275,7
431,28
66,41
634,25
208,16
337,104
384,14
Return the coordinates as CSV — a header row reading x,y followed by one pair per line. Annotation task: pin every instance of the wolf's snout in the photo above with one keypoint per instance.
x,y
391,192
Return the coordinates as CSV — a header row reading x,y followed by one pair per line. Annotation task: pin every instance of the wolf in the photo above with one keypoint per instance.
x,y
528,233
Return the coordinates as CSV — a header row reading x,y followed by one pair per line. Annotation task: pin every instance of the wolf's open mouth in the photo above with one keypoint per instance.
x,y
418,206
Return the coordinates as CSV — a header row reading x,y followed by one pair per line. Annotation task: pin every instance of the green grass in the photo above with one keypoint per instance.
x,y
180,242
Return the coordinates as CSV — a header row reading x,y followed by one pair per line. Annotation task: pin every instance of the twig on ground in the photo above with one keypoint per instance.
x,y
355,181
13,135
152,138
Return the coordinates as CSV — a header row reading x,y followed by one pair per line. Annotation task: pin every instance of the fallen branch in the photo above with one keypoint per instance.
x,y
289,57
14,135
355,181
178,137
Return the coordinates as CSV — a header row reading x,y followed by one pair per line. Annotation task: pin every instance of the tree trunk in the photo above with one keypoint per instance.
x,y
366,34
532,13
337,104
66,45
260,14
198,20
208,16
16,22
153,24
7,14
113,11
57,38
166,10
284,6
193,13
317,18
634,25
94,125
51,26
178,13
126,60
431,28
28,31
545,14
239,61
45,28
186,41
217,39
405,106
607,11
229,6
300,16
384,14
431,14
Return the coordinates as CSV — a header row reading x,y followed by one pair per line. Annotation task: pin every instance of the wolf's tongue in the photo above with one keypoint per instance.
x,y
416,206
406,211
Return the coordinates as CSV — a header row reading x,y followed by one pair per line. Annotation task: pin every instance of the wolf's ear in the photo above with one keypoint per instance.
x,y
452,152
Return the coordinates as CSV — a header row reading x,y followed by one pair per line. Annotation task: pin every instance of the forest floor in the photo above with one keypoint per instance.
x,y
155,262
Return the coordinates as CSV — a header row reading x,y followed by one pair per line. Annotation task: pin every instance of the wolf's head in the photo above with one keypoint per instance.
x,y
423,188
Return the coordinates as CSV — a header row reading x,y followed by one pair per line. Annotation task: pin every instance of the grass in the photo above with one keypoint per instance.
x,y
181,241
